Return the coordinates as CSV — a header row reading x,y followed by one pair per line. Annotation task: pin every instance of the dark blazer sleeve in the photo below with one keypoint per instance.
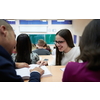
x,y
7,68
8,74
34,77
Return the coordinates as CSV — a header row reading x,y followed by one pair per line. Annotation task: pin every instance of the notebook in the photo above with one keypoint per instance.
x,y
25,72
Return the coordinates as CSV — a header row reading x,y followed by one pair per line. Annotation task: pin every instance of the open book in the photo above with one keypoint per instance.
x,y
25,72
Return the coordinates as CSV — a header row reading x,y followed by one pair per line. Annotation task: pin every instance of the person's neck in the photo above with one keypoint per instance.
x,y
67,50
40,47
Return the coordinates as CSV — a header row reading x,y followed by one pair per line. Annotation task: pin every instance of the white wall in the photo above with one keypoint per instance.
x,y
79,25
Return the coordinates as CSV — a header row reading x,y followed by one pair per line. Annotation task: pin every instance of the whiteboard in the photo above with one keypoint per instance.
x,y
33,28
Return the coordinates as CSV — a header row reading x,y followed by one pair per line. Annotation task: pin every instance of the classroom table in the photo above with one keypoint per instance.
x,y
57,74
55,70
49,57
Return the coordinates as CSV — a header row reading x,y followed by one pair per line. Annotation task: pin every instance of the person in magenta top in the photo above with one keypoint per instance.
x,y
87,65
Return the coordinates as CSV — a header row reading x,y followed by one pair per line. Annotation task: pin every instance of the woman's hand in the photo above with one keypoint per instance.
x,y
45,63
21,65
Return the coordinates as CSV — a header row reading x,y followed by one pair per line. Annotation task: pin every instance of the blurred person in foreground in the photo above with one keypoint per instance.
x,y
88,70
7,66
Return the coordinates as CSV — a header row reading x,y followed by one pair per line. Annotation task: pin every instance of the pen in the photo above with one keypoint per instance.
x,y
43,62
40,65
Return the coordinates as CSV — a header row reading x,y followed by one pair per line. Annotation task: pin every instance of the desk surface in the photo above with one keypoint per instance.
x,y
49,57
55,70
56,74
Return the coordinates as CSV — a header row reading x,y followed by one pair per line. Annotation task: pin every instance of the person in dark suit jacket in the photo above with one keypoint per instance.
x,y
7,66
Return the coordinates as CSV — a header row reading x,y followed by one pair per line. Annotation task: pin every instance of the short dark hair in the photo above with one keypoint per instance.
x,y
90,45
66,34
23,48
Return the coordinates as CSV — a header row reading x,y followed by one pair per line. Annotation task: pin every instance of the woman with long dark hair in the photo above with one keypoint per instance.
x,y
65,49
24,50
89,69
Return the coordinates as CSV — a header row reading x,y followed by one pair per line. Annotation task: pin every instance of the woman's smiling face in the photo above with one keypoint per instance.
x,y
61,44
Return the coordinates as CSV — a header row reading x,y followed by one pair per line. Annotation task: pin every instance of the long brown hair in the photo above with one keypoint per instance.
x,y
66,34
90,45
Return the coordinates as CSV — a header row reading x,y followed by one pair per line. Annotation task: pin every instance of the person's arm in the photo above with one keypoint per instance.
x,y
34,77
66,75
8,74
35,74
46,63
42,63
21,65
48,53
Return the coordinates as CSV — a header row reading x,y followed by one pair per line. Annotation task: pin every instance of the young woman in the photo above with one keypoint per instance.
x,y
24,50
65,49
89,69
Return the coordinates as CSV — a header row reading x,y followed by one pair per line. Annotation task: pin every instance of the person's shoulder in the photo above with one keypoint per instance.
x,y
2,59
6,61
34,53
76,64
76,47
36,50
72,63
46,50
14,54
